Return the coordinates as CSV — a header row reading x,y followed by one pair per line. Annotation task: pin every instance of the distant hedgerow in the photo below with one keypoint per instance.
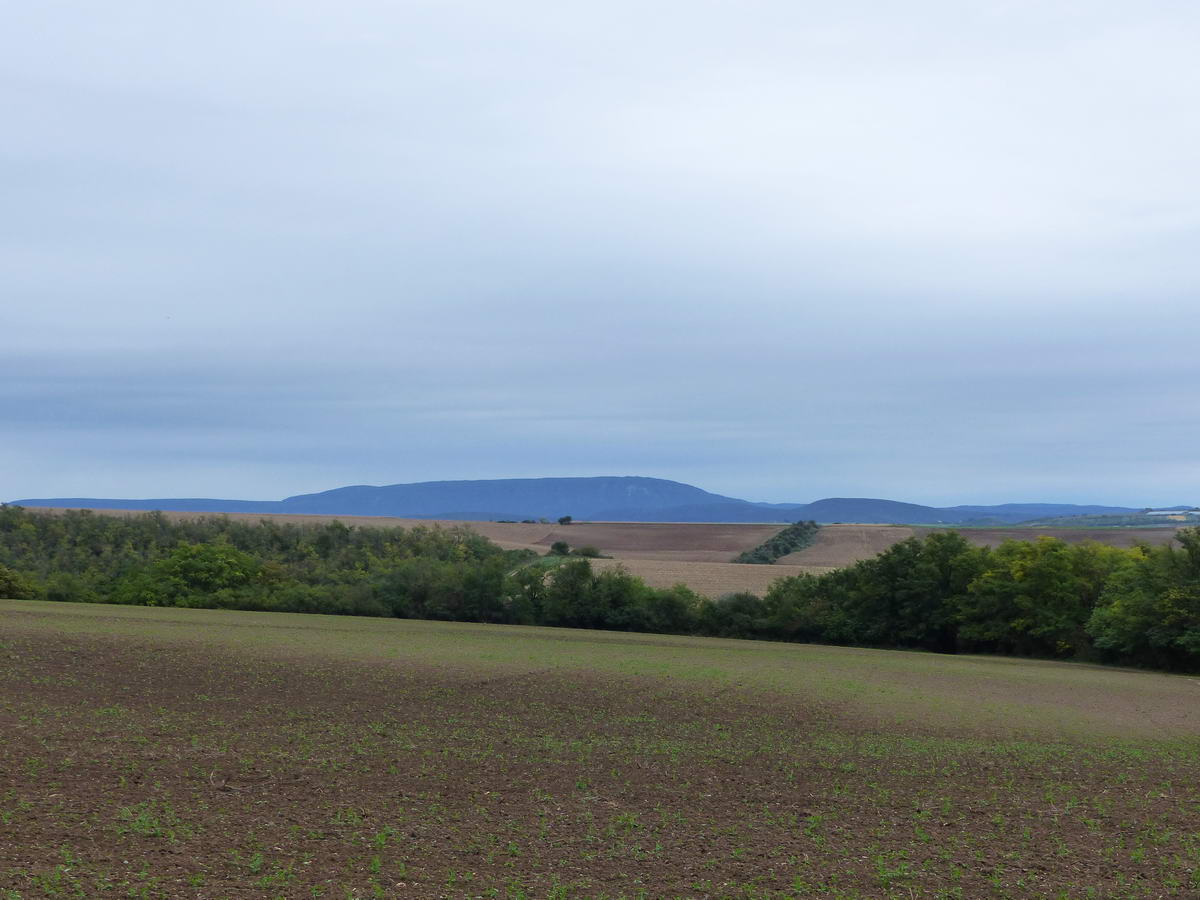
x,y
794,537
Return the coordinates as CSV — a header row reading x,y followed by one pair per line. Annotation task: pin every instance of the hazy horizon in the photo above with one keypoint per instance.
x,y
750,499
937,253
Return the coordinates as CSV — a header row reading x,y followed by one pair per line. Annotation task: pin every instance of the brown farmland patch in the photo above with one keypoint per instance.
x,y
190,763
697,541
842,545
712,579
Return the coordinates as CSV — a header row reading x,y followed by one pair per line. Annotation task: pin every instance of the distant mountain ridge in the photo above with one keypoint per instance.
x,y
604,498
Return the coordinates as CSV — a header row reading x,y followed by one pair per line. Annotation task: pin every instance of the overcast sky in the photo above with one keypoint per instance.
x,y
941,252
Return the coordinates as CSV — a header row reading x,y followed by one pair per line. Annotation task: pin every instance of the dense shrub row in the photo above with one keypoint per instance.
x,y
1042,598
1034,598
147,559
795,537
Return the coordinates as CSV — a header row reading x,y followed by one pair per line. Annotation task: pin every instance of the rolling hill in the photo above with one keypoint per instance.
x,y
605,498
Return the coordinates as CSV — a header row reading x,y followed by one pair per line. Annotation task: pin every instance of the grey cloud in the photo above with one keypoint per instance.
x,y
936,252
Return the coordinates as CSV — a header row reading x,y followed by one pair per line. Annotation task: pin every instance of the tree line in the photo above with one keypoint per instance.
x,y
795,537
1042,598
420,572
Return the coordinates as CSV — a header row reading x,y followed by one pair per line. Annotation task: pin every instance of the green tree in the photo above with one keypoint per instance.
x,y
189,575
1036,597
1149,613
673,610
740,614
14,586
568,597
524,595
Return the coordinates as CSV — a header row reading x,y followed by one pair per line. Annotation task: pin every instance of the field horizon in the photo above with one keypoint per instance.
x,y
697,554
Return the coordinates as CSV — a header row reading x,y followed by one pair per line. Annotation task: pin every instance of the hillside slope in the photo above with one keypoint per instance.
x,y
605,498
515,498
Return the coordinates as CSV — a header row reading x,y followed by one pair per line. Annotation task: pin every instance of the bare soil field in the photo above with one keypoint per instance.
x,y
844,545
166,753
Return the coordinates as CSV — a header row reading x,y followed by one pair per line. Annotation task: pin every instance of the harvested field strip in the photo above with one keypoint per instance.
x,y
712,579
192,753
615,537
843,545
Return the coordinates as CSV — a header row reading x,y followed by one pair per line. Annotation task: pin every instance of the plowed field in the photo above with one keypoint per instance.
x,y
166,753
